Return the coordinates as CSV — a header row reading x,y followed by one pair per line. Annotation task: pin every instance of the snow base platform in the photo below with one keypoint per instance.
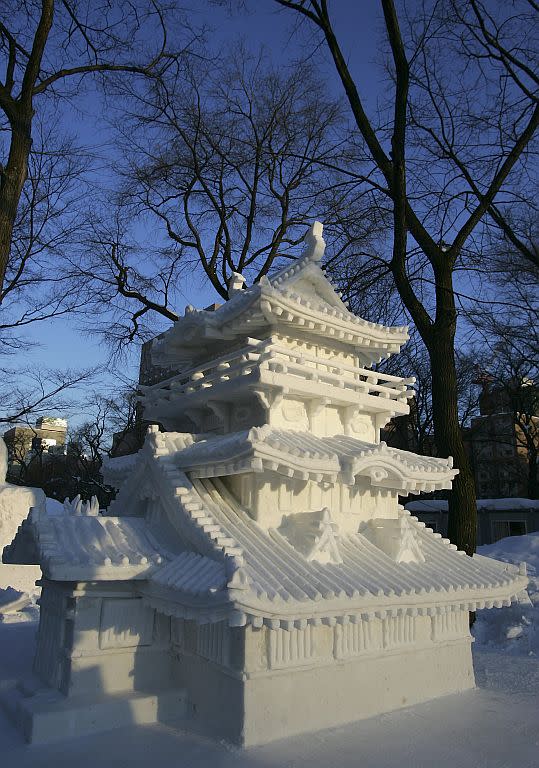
x,y
46,716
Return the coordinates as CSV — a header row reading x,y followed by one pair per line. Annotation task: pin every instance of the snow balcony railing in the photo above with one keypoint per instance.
x,y
314,368
276,359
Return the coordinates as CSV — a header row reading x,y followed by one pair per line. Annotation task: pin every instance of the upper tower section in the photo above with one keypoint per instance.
x,y
285,352
298,301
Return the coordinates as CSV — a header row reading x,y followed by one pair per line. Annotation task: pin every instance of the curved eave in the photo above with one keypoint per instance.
x,y
386,471
183,341
383,471
65,571
242,607
344,326
280,312
265,306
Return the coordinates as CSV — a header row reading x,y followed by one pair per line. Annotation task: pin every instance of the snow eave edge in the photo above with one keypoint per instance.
x,y
240,607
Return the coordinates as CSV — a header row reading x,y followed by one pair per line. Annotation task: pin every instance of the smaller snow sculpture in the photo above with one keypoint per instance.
x,y
78,507
15,502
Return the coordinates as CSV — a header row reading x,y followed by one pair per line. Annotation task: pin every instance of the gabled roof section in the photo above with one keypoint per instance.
x,y
397,537
297,299
305,278
74,547
314,534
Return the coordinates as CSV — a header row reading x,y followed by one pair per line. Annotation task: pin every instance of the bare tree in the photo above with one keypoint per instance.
x,y
47,222
33,391
46,45
415,432
446,155
227,163
230,165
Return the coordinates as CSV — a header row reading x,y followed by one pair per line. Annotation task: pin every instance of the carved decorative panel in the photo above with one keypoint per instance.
x,y
291,648
450,625
398,631
212,642
125,623
355,639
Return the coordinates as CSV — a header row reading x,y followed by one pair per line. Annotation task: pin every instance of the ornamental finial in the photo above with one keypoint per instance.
x,y
316,244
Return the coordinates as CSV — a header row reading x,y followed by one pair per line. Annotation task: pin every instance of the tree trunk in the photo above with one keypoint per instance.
x,y
462,519
533,479
11,183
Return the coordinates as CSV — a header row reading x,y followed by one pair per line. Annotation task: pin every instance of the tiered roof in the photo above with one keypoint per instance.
x,y
191,548
210,561
301,454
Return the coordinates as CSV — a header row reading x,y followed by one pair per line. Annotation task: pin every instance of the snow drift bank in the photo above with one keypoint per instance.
x,y
514,630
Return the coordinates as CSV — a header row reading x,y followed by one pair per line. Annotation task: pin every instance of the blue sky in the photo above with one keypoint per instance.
x,y
61,343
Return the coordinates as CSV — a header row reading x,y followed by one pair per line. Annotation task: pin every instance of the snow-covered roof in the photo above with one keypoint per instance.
x,y
294,453
298,297
275,582
210,561
72,547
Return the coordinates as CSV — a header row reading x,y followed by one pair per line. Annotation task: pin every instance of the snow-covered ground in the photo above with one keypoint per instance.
x,y
495,726
513,630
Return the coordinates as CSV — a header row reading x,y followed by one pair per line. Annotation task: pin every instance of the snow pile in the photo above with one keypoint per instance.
x,y
513,630
15,503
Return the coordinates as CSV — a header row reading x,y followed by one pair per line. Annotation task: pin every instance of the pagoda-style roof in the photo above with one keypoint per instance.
x,y
201,555
298,299
301,454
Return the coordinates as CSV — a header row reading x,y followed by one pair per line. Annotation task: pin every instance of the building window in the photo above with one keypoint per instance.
x,y
501,529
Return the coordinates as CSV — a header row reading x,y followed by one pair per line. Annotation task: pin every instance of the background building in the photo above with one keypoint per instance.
x,y
48,435
504,441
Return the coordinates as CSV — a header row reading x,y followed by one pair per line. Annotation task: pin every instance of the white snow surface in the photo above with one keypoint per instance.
x,y
495,726
514,630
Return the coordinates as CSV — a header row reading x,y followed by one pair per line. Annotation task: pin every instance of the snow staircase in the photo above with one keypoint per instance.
x,y
44,715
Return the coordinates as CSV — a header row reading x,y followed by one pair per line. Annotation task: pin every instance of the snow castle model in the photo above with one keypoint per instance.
x,y
256,574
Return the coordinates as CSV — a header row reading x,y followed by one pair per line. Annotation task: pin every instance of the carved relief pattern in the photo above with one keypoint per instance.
x,y
291,648
360,427
398,631
50,637
212,642
295,413
450,625
125,623
354,639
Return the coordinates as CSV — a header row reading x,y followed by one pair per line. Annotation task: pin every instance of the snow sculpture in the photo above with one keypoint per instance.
x,y
256,575
15,502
